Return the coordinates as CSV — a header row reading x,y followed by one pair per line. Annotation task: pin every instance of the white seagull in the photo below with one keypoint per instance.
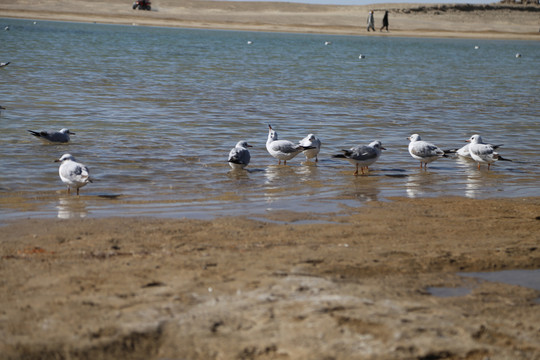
x,y
483,153
362,155
282,149
311,141
72,173
239,155
424,151
61,136
464,150
3,64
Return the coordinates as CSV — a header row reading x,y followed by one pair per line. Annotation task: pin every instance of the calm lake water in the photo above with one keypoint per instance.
x,y
156,111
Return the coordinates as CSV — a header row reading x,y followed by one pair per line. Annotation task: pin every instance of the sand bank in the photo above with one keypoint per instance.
x,y
351,287
463,21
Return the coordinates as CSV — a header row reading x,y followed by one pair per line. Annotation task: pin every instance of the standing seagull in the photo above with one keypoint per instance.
x,y
483,153
72,173
362,155
61,136
239,155
424,151
282,149
311,141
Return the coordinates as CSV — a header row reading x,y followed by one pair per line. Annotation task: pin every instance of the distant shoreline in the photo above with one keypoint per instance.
x,y
491,21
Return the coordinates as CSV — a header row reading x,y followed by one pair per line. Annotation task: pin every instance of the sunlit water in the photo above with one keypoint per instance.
x,y
156,111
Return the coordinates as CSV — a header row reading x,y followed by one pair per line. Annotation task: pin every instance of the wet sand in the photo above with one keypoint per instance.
x,y
294,286
494,21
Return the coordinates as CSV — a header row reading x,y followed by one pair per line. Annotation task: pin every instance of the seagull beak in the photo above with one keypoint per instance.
x,y
383,148
71,133
270,126
468,140
57,160
249,145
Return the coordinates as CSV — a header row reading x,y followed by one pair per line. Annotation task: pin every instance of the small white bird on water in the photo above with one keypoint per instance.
x,y
61,136
311,141
72,173
239,155
282,149
483,153
362,155
424,151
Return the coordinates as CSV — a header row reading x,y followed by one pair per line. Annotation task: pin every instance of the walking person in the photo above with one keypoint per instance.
x,y
385,21
370,21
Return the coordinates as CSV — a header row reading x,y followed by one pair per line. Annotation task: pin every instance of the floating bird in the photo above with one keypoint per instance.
x,y
72,173
61,136
518,55
424,151
362,156
361,56
282,149
239,155
477,47
483,153
4,64
250,42
327,43
311,141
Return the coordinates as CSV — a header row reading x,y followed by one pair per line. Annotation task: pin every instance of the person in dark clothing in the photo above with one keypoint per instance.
x,y
385,21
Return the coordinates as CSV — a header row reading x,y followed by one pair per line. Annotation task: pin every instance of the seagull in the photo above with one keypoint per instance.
x,y
239,156
483,153
464,150
362,155
311,141
2,64
61,136
283,149
72,173
424,151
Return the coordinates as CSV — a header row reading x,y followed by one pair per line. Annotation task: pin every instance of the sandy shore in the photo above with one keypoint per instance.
x,y
352,287
464,21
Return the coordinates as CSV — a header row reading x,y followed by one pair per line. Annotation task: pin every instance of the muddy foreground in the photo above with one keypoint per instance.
x,y
351,287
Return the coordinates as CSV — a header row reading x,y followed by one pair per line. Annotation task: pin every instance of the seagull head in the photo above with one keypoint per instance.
x,y
475,139
66,131
377,145
243,144
65,157
271,133
414,137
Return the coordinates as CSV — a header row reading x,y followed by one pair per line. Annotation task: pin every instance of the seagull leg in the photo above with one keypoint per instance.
x,y
284,162
69,190
316,159
478,166
489,164
77,191
356,172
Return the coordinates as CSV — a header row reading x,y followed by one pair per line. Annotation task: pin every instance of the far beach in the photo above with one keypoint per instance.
x,y
492,21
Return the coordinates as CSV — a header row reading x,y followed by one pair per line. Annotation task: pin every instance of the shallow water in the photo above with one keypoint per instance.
x,y
156,111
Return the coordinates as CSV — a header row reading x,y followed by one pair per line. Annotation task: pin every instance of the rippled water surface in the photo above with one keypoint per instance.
x,y
156,111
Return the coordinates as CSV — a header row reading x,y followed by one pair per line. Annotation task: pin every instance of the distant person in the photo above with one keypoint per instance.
x,y
370,21
385,21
